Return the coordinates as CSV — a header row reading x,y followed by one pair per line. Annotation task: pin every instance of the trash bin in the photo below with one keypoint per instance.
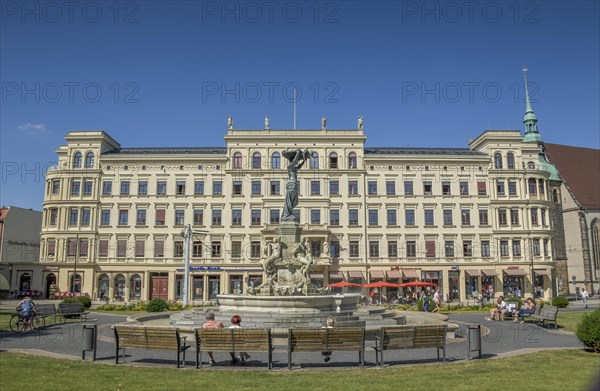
x,y
89,340
474,335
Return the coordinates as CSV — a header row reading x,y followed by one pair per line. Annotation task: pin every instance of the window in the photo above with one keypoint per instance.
x,y
373,217
105,217
541,187
354,249
531,184
449,248
256,160
217,188
446,188
498,160
179,216
197,249
372,187
334,217
353,217
465,215
121,248
504,248
427,188
274,216
198,217
125,188
483,217
296,213
514,216
429,217
237,187
510,160
500,187
411,249
534,216
430,248
198,188
180,187
409,217
143,188
178,249
256,216
85,216
391,217
215,249
352,161
276,160
160,217
536,247
53,216
467,248
103,248
531,166
315,187
123,217
51,252
334,187
448,217
236,249
237,160
408,188
334,249
352,187
139,248
255,249
87,188
159,248
464,188
390,188
56,186
512,188
373,249
77,160
141,217
275,188
392,249
502,217
545,247
333,160
75,188
315,216
485,248
216,217
543,218
516,248
236,217
74,216
161,187
256,188
314,161
89,160
481,188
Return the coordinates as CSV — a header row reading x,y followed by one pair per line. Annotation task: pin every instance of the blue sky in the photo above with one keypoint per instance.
x,y
167,73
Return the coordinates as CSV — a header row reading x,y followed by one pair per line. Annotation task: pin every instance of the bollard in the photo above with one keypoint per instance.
x,y
89,340
474,335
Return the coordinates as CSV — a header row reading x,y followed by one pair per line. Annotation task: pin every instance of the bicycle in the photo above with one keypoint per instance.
x,y
35,322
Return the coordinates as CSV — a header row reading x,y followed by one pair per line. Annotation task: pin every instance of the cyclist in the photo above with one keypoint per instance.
x,y
25,309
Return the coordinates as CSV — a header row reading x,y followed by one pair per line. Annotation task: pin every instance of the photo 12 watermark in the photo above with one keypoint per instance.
x,y
69,92
465,91
470,12
250,12
70,12
269,91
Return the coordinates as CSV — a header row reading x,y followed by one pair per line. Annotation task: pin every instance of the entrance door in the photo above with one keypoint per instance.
x,y
50,286
159,287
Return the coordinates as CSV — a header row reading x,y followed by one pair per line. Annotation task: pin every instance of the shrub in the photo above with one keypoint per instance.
x,y
157,305
560,302
85,301
588,330
73,300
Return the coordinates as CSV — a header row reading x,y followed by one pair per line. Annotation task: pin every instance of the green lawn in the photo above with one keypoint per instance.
x,y
123,313
567,321
5,316
551,366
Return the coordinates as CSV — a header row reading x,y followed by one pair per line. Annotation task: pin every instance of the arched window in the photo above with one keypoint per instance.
x,y
275,160
103,287
314,161
237,160
352,161
77,160
119,287
531,185
89,160
256,160
510,161
531,166
135,293
596,243
498,160
76,283
333,160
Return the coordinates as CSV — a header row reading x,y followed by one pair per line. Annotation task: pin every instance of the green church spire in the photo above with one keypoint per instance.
x,y
530,120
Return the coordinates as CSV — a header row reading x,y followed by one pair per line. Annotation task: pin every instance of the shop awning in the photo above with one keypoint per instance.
x,y
410,273
394,274
316,276
377,274
515,272
473,273
542,272
336,276
354,274
489,272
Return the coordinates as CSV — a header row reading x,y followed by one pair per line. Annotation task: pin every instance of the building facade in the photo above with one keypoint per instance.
x,y
474,220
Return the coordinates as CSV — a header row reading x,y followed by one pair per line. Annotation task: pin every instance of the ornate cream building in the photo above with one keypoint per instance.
x,y
479,219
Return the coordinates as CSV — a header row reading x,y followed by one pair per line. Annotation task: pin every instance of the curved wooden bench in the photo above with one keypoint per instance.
x,y
327,340
233,340
411,337
146,337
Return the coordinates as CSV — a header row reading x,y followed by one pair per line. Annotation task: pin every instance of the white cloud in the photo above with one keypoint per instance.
x,y
33,128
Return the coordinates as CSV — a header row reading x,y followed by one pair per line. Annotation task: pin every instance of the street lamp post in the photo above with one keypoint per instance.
x,y
187,233
532,272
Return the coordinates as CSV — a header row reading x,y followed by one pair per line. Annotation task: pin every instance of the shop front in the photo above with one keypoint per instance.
x,y
472,284
540,277
488,286
513,282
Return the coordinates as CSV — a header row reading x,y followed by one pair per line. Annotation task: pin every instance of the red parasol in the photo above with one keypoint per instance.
x,y
381,284
416,283
344,284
